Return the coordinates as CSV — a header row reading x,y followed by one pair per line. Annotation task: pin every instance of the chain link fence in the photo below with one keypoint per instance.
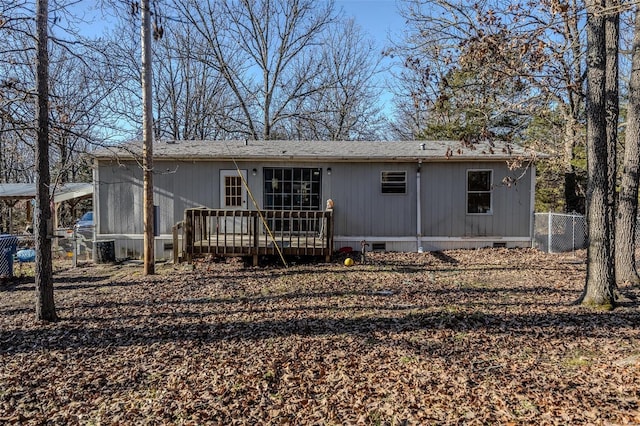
x,y
76,244
557,232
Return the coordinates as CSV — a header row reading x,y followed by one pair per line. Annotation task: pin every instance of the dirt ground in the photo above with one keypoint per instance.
x,y
461,337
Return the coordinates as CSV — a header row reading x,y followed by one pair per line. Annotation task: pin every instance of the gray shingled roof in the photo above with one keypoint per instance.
x,y
320,150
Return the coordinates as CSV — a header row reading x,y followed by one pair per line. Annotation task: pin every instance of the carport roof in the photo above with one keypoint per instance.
x,y
27,191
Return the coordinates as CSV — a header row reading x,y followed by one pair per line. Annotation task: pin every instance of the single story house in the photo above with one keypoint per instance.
x,y
395,195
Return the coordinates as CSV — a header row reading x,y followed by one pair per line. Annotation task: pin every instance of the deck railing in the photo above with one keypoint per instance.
x,y
253,233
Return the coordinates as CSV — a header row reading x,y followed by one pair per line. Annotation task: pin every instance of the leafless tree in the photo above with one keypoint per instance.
x,y
122,70
17,101
347,108
45,305
225,68
536,46
192,99
44,131
627,207
612,111
600,282
264,51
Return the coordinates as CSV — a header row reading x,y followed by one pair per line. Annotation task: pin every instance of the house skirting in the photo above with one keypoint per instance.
x,y
412,244
131,246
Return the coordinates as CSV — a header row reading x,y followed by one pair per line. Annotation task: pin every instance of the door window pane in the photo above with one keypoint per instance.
x,y
233,191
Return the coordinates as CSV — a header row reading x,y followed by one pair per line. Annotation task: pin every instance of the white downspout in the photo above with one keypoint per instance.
x,y
418,210
532,208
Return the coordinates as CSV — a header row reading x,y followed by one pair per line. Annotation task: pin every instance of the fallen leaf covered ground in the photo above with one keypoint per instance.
x,y
460,337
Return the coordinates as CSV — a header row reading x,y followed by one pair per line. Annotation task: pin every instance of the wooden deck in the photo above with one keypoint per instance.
x,y
253,233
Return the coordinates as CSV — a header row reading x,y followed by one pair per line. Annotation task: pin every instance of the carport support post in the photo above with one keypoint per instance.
x,y
74,247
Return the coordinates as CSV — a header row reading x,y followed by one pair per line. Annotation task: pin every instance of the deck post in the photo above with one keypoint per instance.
x,y
329,236
256,238
176,242
188,235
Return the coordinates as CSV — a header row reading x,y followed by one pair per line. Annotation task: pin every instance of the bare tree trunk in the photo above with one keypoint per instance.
x,y
600,281
628,196
572,201
45,304
612,109
147,143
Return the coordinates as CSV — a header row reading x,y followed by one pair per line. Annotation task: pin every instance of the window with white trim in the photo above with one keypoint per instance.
x,y
393,182
479,189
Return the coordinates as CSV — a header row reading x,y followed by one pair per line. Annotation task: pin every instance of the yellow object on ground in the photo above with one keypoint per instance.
x,y
348,261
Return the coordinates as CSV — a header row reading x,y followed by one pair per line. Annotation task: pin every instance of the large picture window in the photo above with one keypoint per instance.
x,y
292,188
393,182
479,183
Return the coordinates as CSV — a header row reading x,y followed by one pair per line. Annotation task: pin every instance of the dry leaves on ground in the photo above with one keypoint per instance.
x,y
461,337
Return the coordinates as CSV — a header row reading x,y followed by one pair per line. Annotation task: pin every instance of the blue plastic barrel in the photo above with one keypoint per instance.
x,y
26,255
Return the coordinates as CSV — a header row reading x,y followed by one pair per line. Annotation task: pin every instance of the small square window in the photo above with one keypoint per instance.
x,y
479,194
393,182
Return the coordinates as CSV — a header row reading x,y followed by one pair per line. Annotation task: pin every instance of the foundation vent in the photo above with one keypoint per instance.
x,y
379,247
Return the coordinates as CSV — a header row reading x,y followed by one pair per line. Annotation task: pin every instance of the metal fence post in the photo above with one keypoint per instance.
x,y
573,234
549,231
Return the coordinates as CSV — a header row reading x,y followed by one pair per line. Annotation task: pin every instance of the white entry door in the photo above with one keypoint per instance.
x,y
233,196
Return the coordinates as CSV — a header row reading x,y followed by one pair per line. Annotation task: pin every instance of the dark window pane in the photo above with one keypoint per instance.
x,y
479,202
479,180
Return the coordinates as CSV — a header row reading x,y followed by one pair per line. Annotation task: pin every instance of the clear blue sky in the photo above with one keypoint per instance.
x,y
379,18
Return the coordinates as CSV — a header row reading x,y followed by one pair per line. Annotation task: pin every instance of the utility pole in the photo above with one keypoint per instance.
x,y
147,141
